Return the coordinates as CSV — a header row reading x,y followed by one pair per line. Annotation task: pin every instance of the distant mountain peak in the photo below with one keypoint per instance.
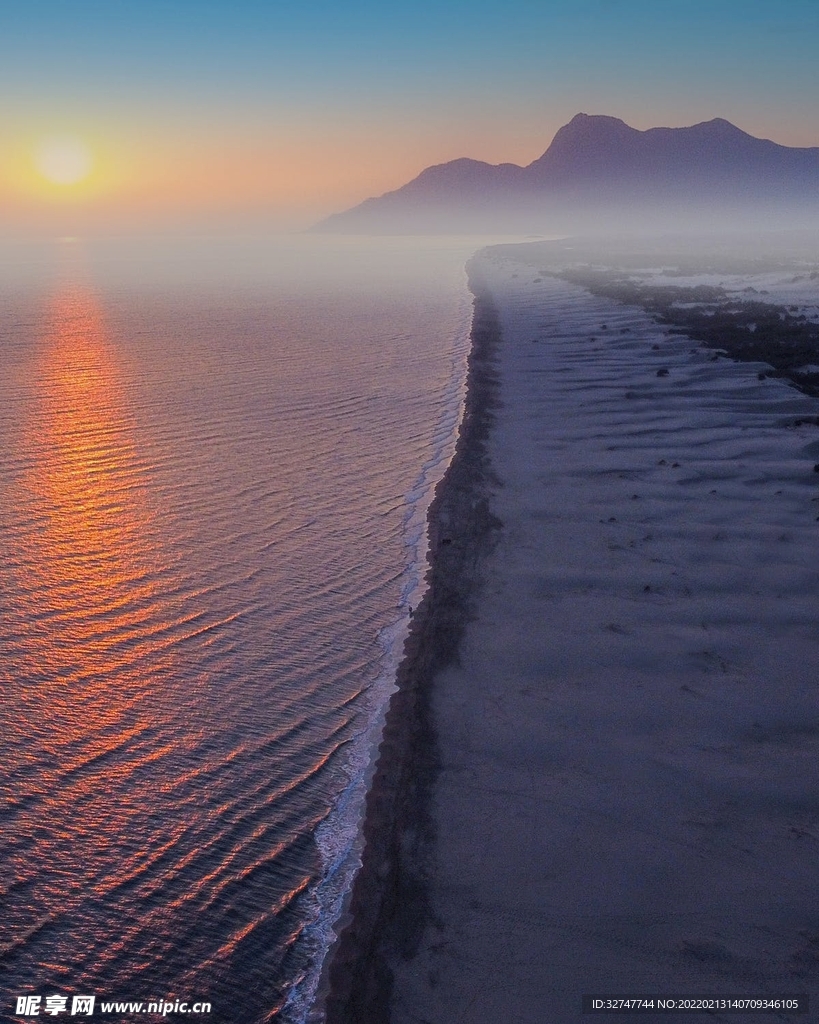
x,y
583,119
588,124
585,132
718,125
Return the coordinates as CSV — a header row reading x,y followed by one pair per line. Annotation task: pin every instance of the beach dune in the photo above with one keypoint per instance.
x,y
625,795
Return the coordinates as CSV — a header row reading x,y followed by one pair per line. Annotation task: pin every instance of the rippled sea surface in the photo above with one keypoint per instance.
x,y
215,461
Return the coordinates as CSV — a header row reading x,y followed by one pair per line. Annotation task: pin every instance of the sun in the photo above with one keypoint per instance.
x,y
63,160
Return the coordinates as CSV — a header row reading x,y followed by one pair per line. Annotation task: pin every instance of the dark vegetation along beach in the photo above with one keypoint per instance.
x,y
599,773
743,322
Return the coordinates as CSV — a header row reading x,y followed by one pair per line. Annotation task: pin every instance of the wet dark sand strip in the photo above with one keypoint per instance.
x,y
390,906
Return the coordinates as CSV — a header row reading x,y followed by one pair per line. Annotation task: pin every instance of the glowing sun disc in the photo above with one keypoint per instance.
x,y
63,161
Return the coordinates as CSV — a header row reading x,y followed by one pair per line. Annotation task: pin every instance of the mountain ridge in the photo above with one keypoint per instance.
x,y
594,163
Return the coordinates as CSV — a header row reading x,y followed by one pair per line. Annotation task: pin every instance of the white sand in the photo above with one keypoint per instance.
x,y
629,798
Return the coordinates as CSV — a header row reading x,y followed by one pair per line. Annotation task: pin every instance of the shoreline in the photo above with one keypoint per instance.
x,y
388,907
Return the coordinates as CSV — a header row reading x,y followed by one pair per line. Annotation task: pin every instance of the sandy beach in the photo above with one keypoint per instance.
x,y
600,772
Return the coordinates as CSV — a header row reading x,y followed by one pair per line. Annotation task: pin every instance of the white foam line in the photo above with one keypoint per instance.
x,y
339,835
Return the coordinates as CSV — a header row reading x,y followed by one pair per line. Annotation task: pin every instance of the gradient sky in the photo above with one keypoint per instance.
x,y
215,113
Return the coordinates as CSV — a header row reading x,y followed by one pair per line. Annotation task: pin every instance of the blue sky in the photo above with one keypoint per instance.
x,y
93,52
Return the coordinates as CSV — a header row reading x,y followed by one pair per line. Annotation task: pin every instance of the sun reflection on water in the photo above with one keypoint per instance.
x,y
90,644
94,563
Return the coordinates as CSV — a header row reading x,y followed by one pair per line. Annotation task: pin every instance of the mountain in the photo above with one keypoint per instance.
x,y
598,171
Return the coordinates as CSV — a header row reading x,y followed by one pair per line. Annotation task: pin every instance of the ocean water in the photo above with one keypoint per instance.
x,y
216,458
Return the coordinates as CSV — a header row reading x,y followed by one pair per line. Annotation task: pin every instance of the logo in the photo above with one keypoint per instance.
x,y
30,1006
